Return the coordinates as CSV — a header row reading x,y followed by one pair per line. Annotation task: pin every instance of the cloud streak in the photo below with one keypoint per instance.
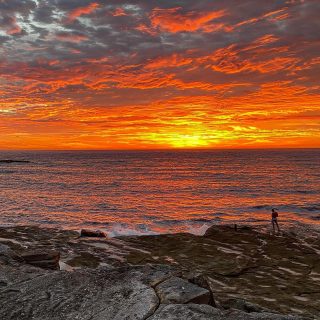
x,y
81,11
173,20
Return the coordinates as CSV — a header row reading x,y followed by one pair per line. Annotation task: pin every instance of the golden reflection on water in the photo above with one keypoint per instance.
x,y
143,192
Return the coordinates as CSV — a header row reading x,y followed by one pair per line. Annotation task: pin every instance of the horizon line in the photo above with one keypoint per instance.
x,y
158,150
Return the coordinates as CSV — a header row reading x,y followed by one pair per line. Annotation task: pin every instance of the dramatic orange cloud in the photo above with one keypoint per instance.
x,y
136,76
272,16
172,20
78,12
263,60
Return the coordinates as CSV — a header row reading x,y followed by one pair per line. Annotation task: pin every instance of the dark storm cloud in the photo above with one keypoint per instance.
x,y
44,12
17,6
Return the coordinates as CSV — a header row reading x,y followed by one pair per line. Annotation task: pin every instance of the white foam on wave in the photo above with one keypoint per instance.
x,y
198,230
118,230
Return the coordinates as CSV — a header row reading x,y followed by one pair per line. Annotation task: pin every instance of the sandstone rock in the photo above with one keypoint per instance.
x,y
100,294
213,230
240,315
253,262
177,290
187,312
85,259
241,304
158,273
205,312
43,259
8,256
92,233
4,249
107,294
202,281
5,252
10,275
40,256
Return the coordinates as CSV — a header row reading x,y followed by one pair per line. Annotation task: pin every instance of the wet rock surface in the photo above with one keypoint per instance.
x,y
75,251
277,272
250,275
241,304
8,256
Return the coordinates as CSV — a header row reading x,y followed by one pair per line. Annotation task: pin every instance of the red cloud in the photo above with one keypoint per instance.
x,y
13,27
78,12
68,37
172,20
143,28
174,60
257,56
272,16
119,12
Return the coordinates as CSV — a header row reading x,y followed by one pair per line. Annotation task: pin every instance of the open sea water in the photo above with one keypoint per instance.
x,y
146,192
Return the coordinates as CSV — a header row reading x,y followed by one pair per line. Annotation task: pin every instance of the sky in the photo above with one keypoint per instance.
x,y
116,74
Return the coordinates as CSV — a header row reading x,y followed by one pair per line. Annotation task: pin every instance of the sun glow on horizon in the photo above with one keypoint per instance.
x,y
179,140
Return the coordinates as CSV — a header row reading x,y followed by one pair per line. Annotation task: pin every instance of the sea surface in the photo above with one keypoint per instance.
x,y
146,192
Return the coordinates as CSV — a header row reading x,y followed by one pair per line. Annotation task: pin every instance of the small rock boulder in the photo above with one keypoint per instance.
x,y
177,290
92,233
201,280
43,259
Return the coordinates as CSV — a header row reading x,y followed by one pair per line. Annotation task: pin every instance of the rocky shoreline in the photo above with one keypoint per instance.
x,y
225,274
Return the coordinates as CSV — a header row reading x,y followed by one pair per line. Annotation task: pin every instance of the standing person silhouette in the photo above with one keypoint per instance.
x,y
274,219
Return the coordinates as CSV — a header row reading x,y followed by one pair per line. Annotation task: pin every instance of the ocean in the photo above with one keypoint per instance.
x,y
150,192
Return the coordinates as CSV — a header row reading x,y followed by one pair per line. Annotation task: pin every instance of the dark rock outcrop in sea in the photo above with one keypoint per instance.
x,y
14,161
226,274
